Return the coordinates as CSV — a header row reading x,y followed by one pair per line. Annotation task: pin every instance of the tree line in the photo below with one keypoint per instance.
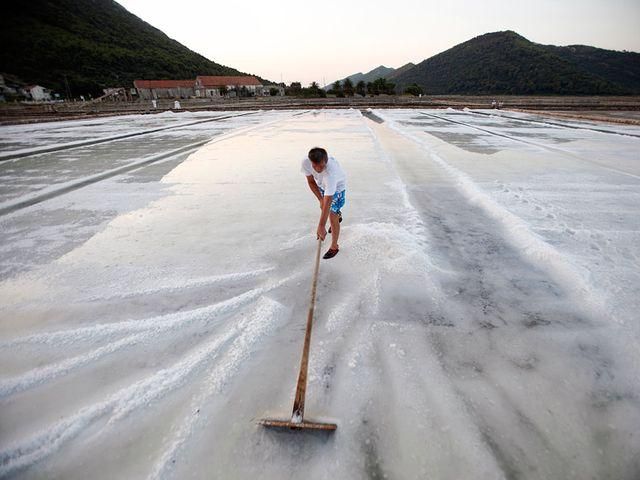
x,y
346,88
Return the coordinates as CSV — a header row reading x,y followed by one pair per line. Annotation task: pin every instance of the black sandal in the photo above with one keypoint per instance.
x,y
331,253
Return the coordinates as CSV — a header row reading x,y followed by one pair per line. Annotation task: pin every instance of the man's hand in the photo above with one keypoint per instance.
x,y
322,232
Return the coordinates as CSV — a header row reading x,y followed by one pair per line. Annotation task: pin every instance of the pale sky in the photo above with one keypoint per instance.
x,y
300,41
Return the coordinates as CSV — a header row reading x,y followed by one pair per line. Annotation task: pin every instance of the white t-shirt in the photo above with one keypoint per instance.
x,y
332,179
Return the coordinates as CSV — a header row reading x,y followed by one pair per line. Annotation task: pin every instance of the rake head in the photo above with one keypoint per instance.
x,y
303,425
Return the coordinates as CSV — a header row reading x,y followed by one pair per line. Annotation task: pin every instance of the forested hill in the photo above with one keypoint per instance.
x,y
507,63
94,44
378,72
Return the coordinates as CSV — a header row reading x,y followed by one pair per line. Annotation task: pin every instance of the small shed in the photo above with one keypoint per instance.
x,y
37,93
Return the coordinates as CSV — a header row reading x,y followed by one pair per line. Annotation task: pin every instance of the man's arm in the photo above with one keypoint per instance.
x,y
325,204
314,188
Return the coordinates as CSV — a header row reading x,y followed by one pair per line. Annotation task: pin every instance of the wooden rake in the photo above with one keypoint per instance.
x,y
297,421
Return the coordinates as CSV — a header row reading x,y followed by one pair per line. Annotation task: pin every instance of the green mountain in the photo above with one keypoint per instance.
x,y
399,71
377,72
93,44
507,63
620,68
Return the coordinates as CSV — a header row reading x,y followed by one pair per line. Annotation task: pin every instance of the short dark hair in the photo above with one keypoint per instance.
x,y
318,155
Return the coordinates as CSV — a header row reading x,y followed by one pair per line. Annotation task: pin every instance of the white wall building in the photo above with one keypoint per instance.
x,y
37,93
209,86
153,89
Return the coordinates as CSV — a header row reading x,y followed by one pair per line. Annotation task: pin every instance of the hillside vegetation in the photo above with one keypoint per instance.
x,y
94,44
507,63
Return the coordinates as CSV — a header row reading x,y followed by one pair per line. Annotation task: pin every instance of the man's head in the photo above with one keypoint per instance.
x,y
318,157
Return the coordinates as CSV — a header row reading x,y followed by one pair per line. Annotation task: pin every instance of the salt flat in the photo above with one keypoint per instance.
x,y
479,321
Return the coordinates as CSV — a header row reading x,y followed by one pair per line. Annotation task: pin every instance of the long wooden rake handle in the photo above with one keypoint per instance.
x,y
298,405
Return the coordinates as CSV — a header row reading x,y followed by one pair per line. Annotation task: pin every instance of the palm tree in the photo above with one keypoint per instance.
x,y
347,86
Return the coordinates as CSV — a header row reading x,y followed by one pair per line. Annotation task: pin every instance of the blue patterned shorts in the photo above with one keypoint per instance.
x,y
337,202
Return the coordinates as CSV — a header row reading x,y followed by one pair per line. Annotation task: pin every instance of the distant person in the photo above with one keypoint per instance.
x,y
327,181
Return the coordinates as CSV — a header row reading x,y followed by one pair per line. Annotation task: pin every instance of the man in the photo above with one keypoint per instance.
x,y
327,181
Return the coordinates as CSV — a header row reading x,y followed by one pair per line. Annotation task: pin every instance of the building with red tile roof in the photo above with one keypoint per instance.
x,y
203,86
209,86
153,89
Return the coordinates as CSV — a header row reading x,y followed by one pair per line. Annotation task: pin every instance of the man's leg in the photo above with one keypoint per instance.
x,y
334,219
